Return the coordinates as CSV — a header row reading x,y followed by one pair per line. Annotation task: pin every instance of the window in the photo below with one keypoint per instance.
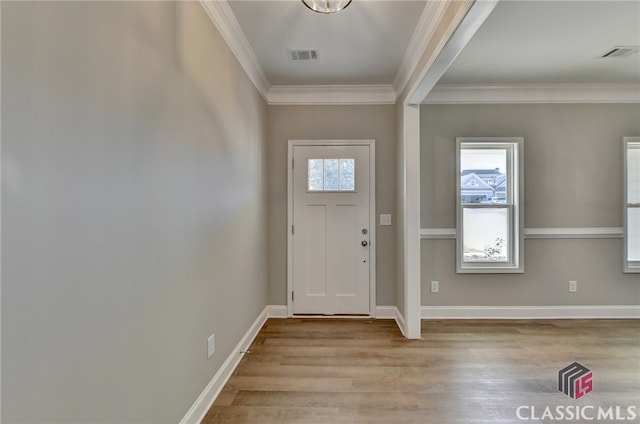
x,y
632,204
489,205
331,174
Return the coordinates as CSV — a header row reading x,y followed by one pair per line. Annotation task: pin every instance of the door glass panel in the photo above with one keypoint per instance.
x,y
331,174
316,175
331,170
347,174
485,234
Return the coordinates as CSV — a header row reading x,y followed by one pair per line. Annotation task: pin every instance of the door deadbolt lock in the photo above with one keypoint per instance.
x,y
364,231
364,243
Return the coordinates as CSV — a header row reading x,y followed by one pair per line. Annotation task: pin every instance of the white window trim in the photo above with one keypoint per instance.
x,y
516,218
629,266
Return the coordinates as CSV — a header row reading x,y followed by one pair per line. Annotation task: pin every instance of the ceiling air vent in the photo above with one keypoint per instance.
x,y
303,55
620,51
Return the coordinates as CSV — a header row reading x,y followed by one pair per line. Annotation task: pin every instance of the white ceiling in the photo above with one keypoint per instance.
x,y
551,42
363,44
521,42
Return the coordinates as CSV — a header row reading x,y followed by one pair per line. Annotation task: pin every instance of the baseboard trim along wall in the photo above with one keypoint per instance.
x,y
391,312
201,406
199,409
276,311
531,312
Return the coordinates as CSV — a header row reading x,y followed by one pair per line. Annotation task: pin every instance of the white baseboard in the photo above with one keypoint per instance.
x,y
386,312
391,312
276,311
530,312
199,409
381,312
201,406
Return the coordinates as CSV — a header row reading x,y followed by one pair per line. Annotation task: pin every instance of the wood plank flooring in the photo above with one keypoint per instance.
x,y
317,371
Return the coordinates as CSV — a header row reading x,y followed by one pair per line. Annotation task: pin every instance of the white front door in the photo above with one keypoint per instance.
x,y
331,229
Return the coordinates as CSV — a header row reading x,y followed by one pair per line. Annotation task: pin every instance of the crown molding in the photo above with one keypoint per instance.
x,y
225,21
428,23
331,95
533,93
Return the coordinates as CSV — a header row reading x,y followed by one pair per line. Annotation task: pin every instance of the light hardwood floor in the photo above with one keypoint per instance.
x,y
363,371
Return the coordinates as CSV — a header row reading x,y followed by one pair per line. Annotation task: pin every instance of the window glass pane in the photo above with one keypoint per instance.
x,y
483,176
331,174
485,234
633,234
347,174
633,174
315,175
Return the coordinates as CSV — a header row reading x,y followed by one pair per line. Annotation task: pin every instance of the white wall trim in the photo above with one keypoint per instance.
x,y
533,93
276,311
428,23
538,233
400,321
438,233
386,312
574,233
531,312
411,217
201,406
331,94
227,24
391,312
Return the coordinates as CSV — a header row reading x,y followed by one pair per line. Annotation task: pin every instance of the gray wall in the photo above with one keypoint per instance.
x,y
331,123
573,178
133,209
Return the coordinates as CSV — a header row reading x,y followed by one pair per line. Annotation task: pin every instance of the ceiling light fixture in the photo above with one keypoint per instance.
x,y
326,6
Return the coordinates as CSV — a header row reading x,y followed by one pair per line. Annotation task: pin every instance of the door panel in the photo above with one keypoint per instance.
x,y
330,211
343,255
316,249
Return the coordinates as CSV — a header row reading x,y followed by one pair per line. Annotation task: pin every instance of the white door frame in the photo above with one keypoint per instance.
x,y
372,213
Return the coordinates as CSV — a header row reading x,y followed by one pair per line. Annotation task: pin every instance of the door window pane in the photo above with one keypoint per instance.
x,y
316,175
485,234
331,174
347,174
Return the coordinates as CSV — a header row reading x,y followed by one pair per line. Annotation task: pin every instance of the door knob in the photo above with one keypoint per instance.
x,y
364,243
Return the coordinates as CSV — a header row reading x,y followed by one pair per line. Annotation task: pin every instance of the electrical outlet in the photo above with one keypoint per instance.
x,y
435,287
573,286
211,346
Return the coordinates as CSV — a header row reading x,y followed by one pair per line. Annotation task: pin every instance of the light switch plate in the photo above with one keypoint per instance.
x,y
385,219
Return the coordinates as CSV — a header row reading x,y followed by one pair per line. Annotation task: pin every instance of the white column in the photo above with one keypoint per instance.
x,y
411,196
